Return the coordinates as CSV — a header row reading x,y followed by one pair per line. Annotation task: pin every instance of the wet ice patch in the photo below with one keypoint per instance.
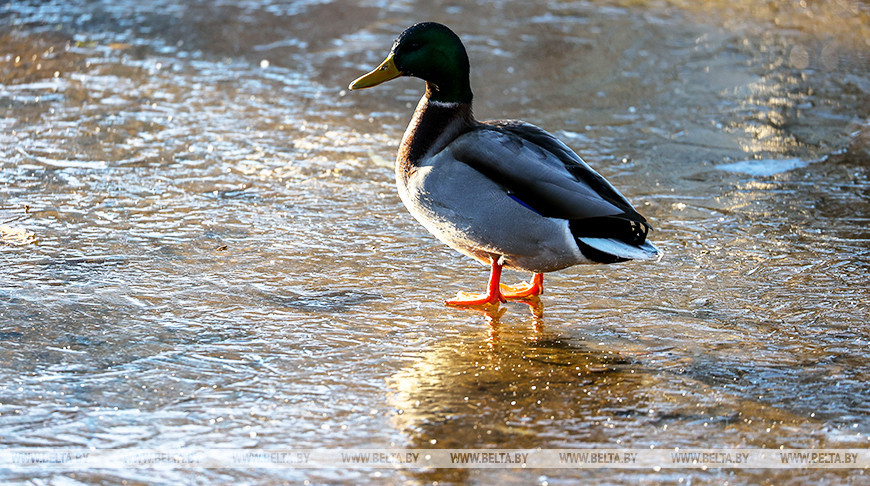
x,y
16,236
764,167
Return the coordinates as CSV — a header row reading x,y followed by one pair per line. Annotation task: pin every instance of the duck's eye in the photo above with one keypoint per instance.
x,y
413,46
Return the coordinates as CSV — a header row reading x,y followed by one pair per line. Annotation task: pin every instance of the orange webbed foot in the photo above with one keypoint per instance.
x,y
492,297
469,299
523,291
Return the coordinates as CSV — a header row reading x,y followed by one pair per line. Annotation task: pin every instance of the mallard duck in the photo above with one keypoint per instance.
x,y
503,192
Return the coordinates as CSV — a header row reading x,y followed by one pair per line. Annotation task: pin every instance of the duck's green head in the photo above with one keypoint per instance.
x,y
431,52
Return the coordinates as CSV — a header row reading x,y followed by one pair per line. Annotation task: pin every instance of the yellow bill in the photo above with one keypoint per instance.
x,y
385,72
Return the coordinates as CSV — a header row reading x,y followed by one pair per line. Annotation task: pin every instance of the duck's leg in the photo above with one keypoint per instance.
x,y
493,293
534,287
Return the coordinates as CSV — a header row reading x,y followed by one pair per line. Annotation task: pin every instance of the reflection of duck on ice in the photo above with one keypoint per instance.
x,y
468,392
504,192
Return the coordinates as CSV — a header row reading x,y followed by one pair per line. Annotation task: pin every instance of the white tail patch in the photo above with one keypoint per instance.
x,y
621,249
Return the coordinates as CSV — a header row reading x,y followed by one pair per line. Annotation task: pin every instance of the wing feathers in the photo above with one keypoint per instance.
x,y
546,176
544,173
